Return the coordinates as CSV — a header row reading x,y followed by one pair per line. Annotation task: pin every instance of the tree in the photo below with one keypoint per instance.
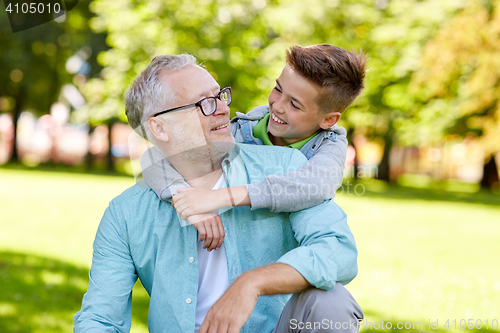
x,y
33,62
242,43
395,44
460,80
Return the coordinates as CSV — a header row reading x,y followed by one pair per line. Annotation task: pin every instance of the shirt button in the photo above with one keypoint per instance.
x,y
188,300
191,259
247,135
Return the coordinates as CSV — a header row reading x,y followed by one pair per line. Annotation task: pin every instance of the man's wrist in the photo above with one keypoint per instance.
x,y
277,278
250,282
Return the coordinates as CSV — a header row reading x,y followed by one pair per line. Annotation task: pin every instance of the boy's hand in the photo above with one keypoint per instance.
x,y
191,201
210,229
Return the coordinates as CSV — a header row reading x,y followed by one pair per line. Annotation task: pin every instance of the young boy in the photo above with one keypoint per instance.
x,y
318,83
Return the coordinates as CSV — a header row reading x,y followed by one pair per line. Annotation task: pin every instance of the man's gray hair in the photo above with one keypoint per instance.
x,y
149,94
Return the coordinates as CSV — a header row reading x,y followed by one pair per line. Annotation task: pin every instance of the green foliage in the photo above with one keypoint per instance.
x,y
459,79
33,61
228,38
242,43
395,46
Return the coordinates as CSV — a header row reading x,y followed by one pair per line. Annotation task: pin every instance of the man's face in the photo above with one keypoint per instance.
x,y
189,129
294,113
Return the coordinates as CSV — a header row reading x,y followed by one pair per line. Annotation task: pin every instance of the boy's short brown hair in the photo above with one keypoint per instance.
x,y
338,72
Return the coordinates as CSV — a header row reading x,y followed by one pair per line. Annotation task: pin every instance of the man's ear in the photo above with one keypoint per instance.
x,y
330,120
157,128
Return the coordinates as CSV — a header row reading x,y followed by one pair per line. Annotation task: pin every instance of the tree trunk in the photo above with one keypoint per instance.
x,y
15,117
490,174
384,168
109,157
89,158
350,137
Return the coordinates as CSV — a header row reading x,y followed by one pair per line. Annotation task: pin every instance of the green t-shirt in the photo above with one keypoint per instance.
x,y
260,132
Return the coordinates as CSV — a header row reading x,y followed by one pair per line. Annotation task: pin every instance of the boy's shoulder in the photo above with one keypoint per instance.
x,y
337,130
255,114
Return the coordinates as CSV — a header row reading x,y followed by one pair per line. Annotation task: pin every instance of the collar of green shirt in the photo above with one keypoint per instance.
x,y
260,132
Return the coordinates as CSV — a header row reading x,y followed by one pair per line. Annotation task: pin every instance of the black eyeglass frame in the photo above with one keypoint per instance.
x,y
198,104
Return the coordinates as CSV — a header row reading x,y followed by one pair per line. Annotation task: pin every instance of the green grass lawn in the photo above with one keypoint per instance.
x,y
423,255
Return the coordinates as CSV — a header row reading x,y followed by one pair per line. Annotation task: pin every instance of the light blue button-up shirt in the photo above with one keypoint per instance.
x,y
140,236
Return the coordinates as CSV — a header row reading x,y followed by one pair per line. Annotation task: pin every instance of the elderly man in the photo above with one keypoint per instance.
x,y
245,285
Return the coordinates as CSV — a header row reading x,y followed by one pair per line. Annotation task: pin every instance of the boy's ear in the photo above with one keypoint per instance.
x,y
330,120
157,128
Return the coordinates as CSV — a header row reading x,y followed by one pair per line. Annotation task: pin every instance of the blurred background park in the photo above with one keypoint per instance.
x,y
421,185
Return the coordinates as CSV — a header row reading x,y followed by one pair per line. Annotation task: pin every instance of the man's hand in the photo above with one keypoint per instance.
x,y
210,229
191,201
232,310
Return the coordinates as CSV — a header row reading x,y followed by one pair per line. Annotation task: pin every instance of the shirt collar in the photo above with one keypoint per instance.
x,y
260,131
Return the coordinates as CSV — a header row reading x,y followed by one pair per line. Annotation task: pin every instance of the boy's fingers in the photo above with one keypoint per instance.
x,y
221,231
180,208
185,213
216,233
176,203
210,235
176,198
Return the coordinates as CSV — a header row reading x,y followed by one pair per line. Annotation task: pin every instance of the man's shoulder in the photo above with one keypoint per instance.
x,y
272,155
135,193
272,151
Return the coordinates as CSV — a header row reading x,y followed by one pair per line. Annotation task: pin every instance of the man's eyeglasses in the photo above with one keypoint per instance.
x,y
208,105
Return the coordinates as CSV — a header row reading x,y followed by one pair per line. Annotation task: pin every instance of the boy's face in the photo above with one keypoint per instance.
x,y
294,113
